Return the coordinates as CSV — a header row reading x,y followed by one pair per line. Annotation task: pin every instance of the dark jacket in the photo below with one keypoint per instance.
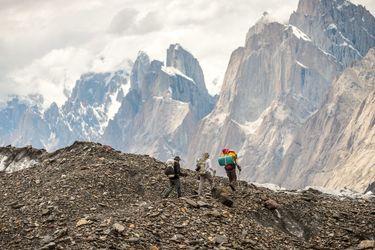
x,y
177,170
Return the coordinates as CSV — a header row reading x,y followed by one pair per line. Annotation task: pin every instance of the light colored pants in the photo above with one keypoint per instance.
x,y
202,179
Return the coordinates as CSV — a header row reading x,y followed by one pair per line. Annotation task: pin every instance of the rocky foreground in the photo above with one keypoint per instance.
x,y
89,196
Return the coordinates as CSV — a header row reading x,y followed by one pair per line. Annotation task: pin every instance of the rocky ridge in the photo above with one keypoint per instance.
x,y
91,196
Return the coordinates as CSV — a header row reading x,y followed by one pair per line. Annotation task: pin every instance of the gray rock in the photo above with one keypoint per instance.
x,y
220,239
203,204
191,203
133,240
366,244
118,227
50,245
46,239
271,204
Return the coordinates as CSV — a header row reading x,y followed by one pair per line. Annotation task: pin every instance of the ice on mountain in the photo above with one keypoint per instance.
x,y
2,162
15,165
302,65
299,33
332,26
172,71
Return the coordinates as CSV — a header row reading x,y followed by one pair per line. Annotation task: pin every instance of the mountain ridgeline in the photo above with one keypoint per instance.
x,y
297,103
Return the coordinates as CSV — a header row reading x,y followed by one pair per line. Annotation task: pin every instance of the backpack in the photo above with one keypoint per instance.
x,y
169,169
233,154
201,162
228,159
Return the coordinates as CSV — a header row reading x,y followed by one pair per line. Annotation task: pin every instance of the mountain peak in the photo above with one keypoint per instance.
x,y
266,20
142,57
317,7
185,62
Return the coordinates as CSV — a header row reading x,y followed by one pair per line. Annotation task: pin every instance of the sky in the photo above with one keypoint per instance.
x,y
45,45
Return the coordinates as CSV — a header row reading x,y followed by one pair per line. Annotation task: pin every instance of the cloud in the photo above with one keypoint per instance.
x,y
129,22
46,44
52,74
123,21
151,22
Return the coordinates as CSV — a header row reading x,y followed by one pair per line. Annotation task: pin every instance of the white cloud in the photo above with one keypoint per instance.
x,y
129,22
123,21
53,73
45,44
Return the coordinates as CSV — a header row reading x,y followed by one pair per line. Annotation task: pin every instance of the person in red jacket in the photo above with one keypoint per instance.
x,y
230,169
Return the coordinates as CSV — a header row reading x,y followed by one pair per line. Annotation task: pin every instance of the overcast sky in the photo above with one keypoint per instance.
x,y
46,44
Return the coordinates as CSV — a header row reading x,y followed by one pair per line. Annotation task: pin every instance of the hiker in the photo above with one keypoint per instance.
x,y
205,171
173,171
228,159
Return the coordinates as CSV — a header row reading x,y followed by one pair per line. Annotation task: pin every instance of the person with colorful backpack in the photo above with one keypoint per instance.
x,y
173,171
205,172
228,159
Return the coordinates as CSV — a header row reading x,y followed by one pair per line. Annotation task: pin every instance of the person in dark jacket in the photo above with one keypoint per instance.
x,y
174,180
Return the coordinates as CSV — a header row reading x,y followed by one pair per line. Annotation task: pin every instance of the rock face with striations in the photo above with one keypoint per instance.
x,y
163,106
279,79
335,148
180,59
340,28
271,87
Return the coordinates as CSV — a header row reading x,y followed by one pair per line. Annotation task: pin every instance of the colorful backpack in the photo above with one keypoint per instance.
x,y
228,159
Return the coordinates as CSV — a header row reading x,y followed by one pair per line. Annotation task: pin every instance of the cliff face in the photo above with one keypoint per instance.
x,y
344,30
278,80
271,87
335,148
163,107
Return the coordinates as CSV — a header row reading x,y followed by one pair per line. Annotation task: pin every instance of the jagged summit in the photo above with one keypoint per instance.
x,y
185,62
163,107
265,20
88,195
342,29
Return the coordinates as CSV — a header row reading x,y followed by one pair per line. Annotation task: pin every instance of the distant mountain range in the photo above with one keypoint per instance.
x,y
297,103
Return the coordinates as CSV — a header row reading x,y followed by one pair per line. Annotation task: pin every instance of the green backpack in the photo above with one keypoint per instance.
x,y
226,160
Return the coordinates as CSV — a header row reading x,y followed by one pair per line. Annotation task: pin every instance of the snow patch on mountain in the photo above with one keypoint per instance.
x,y
172,71
113,108
2,162
339,193
298,33
15,165
302,65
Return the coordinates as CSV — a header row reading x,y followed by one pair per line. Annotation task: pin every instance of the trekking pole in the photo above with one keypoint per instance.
x,y
239,178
